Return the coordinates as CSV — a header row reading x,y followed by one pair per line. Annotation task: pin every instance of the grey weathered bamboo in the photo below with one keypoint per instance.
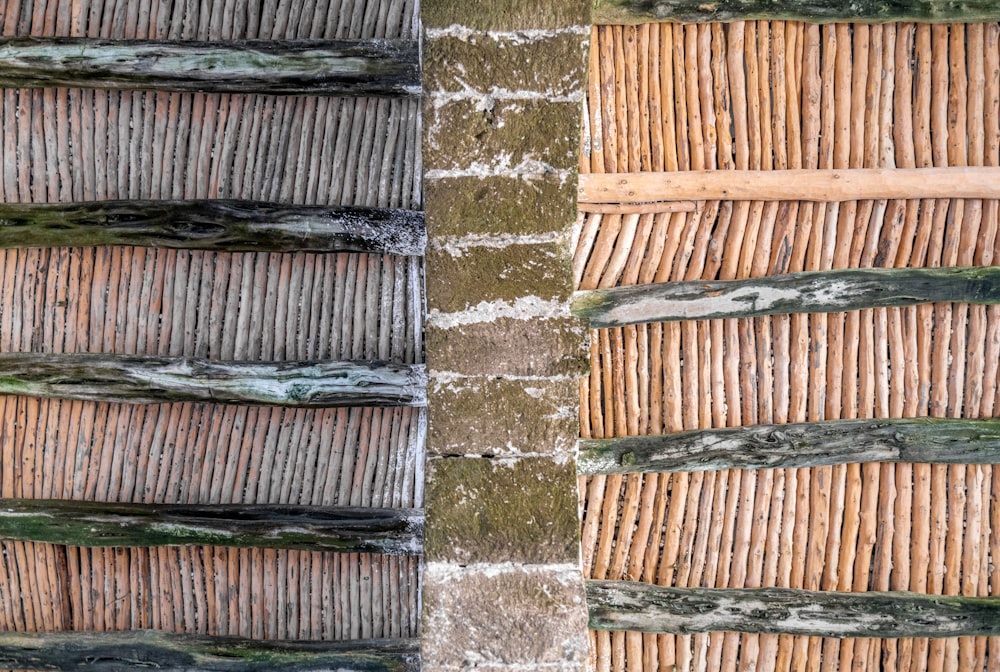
x,y
811,444
213,225
808,292
353,68
314,528
115,651
815,11
634,606
791,185
146,380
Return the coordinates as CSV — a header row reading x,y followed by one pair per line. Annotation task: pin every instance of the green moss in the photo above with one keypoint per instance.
x,y
475,418
457,282
464,205
482,510
505,14
552,65
461,133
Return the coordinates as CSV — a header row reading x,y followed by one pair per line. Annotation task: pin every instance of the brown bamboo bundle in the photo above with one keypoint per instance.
x,y
72,145
778,96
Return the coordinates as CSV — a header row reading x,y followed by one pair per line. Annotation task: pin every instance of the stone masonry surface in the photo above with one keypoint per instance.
x,y
503,86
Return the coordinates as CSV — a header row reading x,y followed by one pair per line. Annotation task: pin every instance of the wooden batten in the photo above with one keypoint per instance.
x,y
810,444
130,379
107,651
642,607
813,11
313,528
828,185
313,67
221,225
806,292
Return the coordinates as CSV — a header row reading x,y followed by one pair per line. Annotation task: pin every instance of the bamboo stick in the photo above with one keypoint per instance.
x,y
814,444
137,380
354,68
824,185
807,292
812,11
245,226
147,648
345,530
634,606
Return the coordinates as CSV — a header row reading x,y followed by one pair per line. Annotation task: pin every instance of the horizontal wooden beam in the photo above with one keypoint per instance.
x,y
314,528
628,605
650,208
814,11
237,226
790,185
142,649
149,380
810,444
341,67
809,292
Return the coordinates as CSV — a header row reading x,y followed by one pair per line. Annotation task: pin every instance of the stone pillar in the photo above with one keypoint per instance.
x,y
503,84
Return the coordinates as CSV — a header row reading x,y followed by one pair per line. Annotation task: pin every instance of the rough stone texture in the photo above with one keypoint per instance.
x,y
501,137
513,417
500,133
462,278
458,206
505,14
487,618
517,510
510,347
550,64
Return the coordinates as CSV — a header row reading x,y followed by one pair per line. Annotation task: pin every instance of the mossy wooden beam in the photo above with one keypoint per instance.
x,y
237,226
814,11
314,528
634,606
811,444
147,380
332,67
148,649
826,185
809,292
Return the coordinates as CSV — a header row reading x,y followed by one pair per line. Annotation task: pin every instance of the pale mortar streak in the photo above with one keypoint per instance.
x,y
464,33
523,308
456,245
449,570
496,93
527,169
511,456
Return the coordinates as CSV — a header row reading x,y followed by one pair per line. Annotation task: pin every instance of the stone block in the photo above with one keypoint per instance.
x,y
505,14
512,417
458,279
457,206
500,134
510,347
552,65
512,510
490,617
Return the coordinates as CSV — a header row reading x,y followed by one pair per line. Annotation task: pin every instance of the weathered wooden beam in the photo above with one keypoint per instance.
x,y
815,11
629,605
810,444
148,380
239,226
809,292
791,185
341,67
142,649
314,528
